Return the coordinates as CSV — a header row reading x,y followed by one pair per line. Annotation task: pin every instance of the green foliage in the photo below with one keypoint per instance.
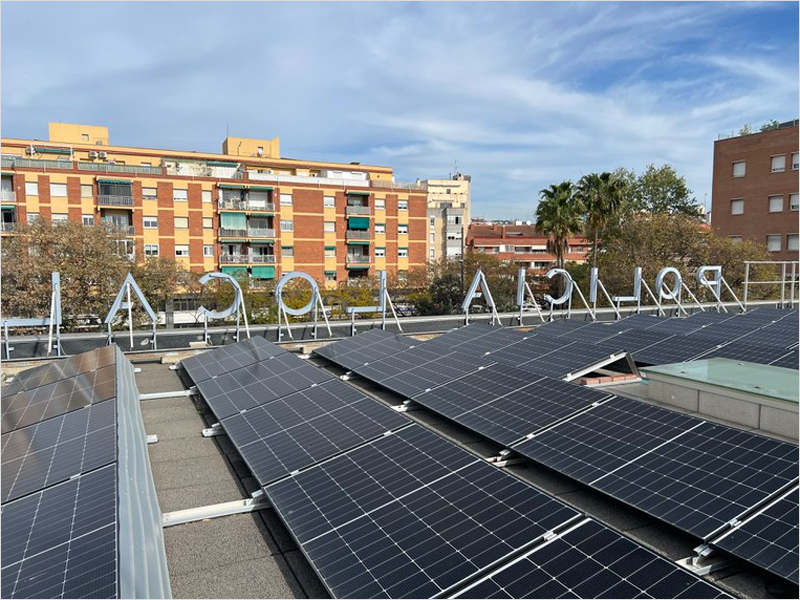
x,y
661,190
769,126
91,260
746,129
559,216
601,196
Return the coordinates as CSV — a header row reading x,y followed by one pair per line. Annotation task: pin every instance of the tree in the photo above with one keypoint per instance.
x,y
769,126
559,217
92,262
662,190
601,196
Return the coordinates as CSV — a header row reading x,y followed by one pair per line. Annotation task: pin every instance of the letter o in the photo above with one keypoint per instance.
x,y
237,296
279,293
670,294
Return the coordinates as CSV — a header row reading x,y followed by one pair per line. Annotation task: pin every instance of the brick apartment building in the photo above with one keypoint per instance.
x,y
755,189
522,244
244,209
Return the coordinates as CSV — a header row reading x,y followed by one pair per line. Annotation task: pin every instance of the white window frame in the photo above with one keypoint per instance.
x,y
737,202
402,253
31,188
208,250
59,218
286,199
329,252
180,195
147,194
182,250
208,223
402,228
794,201
402,205
87,220
792,242
178,224
329,201
772,163
772,203
735,238
743,169
57,188
287,251
206,196
772,238
287,225
148,249
329,226
87,187
149,222
380,228
795,161
380,252
380,204
31,217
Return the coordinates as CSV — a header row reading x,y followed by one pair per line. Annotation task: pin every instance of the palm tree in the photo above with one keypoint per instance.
x,y
559,216
601,195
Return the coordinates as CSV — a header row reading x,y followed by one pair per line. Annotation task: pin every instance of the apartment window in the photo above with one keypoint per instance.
x,y
737,206
433,222
287,250
286,199
794,202
58,189
287,225
181,250
151,250
208,250
791,242
773,243
432,253
380,227
181,222
402,253
328,201
59,218
380,252
149,193
146,164
402,228
87,191
150,222
84,137
380,204
778,163
329,226
88,220
735,238
180,195
208,223
776,204
795,161
31,188
330,252
739,168
31,217
206,196
433,238
402,205
330,275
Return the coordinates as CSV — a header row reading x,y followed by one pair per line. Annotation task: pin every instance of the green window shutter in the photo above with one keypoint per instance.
x,y
358,222
357,243
221,163
259,188
234,270
230,186
233,220
351,193
114,181
264,272
44,150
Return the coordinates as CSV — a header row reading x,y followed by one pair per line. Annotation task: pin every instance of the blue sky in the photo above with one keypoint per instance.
x,y
518,95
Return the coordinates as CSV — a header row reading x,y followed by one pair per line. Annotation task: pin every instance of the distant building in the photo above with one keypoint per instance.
x,y
245,210
523,245
755,189
448,215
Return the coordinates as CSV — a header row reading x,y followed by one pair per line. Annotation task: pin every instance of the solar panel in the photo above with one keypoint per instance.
x,y
397,363
62,542
52,399
591,334
495,340
52,451
788,361
726,331
364,347
590,561
634,340
422,375
306,427
259,383
765,314
409,516
570,360
747,351
769,538
677,348
692,474
453,338
637,322
531,348
780,334
506,404
227,358
560,327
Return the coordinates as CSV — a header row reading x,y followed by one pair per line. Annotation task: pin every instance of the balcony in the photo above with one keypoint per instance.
x,y
246,205
9,195
358,259
233,233
115,201
34,163
262,259
112,168
353,234
243,259
261,233
246,233
358,210
9,227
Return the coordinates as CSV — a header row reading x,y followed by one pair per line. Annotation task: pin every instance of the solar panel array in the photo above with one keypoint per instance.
x,y
61,513
382,507
363,348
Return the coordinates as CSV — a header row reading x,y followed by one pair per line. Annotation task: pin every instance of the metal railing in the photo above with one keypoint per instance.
x,y
268,259
398,185
358,210
33,163
241,259
239,233
787,270
261,233
357,259
7,161
112,168
246,205
7,227
106,200
352,234
10,195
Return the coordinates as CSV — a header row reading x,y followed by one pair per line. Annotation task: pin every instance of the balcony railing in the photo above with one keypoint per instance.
x,y
238,233
112,168
261,233
9,195
115,200
358,210
8,227
33,163
353,234
247,233
246,205
241,259
357,259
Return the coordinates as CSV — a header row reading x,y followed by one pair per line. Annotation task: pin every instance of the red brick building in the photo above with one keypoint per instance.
x,y
522,244
755,189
